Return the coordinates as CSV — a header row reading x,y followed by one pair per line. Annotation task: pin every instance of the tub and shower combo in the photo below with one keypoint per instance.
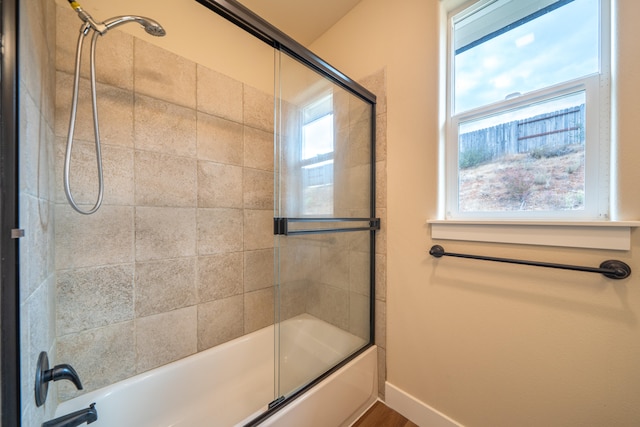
x,y
250,285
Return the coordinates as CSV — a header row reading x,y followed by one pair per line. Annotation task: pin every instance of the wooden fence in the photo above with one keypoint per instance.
x,y
558,128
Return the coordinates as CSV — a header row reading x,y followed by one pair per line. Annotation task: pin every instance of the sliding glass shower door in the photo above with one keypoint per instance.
x,y
324,225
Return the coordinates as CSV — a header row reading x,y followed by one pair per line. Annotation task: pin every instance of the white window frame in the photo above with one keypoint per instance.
x,y
603,233
597,145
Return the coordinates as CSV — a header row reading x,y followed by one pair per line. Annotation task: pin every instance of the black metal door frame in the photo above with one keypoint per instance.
x,y
9,288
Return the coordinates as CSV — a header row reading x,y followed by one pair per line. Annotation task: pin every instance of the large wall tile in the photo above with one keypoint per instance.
x,y
258,309
381,235
166,337
381,277
381,137
164,180
164,127
293,299
220,321
329,304
358,188
219,95
117,170
219,230
115,109
34,149
156,72
258,109
33,51
165,285
359,110
100,356
299,260
359,317
220,276
359,147
105,237
219,185
381,184
381,324
36,248
258,149
27,282
258,269
89,298
359,273
258,229
341,110
165,233
219,140
338,274
257,189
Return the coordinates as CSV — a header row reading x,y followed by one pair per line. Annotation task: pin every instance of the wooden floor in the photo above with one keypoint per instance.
x,y
379,415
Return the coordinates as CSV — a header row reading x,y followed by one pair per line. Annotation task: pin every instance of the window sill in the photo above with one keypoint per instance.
x,y
615,235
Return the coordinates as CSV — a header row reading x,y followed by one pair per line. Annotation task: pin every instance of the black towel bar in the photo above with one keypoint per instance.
x,y
612,268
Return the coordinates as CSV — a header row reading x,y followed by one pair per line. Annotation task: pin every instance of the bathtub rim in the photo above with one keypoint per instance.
x,y
272,410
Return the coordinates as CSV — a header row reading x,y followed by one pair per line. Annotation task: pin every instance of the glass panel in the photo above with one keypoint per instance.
x,y
526,159
323,164
524,53
324,153
324,303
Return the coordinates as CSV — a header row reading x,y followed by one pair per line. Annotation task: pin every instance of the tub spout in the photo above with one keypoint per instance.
x,y
74,419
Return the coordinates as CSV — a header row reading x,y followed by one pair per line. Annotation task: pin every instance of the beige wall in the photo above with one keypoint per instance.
x,y
493,345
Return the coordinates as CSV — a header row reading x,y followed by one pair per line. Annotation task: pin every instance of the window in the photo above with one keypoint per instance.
x,y
316,158
528,107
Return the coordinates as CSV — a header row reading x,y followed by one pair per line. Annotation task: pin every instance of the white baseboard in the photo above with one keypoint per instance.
x,y
415,410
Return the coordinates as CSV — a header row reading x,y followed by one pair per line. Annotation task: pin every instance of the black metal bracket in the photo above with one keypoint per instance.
x,y
613,269
276,402
281,225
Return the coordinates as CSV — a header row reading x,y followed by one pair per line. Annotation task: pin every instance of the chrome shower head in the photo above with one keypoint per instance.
x,y
155,29
150,26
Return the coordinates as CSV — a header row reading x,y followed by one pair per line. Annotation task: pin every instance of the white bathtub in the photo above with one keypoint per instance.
x,y
230,384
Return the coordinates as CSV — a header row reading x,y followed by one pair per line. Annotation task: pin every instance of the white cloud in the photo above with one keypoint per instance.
x,y
502,81
525,40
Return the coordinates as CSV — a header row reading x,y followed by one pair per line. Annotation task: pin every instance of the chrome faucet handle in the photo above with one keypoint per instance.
x,y
58,372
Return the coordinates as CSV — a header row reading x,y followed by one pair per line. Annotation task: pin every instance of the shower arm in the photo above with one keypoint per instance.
x,y
99,27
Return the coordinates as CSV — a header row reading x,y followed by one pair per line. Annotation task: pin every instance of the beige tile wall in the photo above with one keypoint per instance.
x,y
180,256
36,199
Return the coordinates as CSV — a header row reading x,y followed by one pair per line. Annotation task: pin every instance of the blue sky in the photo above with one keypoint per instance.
x,y
556,47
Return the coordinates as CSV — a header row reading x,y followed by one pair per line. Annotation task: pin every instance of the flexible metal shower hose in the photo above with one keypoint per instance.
x,y
84,30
